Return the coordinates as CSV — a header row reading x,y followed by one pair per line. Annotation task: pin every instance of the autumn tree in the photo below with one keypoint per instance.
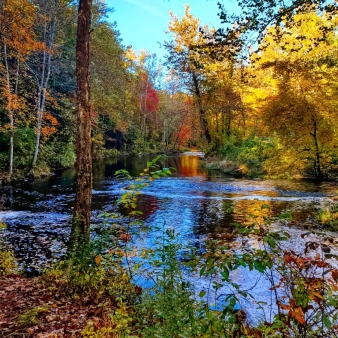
x,y
210,73
48,12
177,114
184,57
18,41
300,108
145,71
256,16
109,83
223,92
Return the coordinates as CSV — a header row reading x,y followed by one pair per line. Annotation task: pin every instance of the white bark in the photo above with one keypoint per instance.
x,y
10,112
45,76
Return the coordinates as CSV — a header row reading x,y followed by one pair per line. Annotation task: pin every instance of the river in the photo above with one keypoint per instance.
x,y
193,201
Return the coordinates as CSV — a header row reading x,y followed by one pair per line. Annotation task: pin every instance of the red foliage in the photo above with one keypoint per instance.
x,y
151,102
184,134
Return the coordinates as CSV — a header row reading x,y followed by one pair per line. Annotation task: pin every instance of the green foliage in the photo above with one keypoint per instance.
x,y
92,275
8,263
23,148
118,325
102,153
142,144
4,160
59,155
328,217
31,316
244,157
167,309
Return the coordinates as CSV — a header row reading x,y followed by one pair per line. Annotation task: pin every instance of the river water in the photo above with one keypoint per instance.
x,y
193,201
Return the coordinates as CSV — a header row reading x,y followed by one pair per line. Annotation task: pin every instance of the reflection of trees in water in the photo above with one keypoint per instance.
x,y
133,164
219,216
213,216
186,165
148,205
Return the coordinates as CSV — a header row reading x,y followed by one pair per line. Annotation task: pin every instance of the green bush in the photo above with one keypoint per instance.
x,y
244,157
8,263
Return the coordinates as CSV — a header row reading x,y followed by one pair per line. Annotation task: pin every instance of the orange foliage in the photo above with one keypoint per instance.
x,y
49,124
16,23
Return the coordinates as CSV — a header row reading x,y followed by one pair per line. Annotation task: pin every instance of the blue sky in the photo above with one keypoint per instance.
x,y
142,23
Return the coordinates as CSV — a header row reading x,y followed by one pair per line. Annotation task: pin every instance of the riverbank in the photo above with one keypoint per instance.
x,y
42,172
254,169
227,167
98,298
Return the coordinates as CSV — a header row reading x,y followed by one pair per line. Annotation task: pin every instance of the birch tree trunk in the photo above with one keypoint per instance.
x,y
9,111
11,104
45,75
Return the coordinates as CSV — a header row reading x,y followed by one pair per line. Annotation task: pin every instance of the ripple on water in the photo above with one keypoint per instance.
x,y
36,238
191,201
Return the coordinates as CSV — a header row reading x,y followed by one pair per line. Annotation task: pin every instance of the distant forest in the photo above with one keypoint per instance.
x,y
270,109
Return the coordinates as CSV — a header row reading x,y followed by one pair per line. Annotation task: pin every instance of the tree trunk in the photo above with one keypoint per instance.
x,y
43,85
316,165
229,118
201,110
10,112
82,208
10,105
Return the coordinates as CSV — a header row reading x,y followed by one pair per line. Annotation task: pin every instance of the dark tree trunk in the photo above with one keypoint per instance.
x,y
82,208
201,110
316,165
229,118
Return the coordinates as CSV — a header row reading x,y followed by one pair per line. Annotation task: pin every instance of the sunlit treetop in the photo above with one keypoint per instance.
x,y
304,40
186,31
257,16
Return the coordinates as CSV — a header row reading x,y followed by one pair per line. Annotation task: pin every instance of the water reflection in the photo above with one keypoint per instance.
x,y
187,165
193,201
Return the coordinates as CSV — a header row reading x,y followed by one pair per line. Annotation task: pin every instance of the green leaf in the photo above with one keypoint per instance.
x,y
259,267
202,293
136,212
225,274
202,271
285,215
327,322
